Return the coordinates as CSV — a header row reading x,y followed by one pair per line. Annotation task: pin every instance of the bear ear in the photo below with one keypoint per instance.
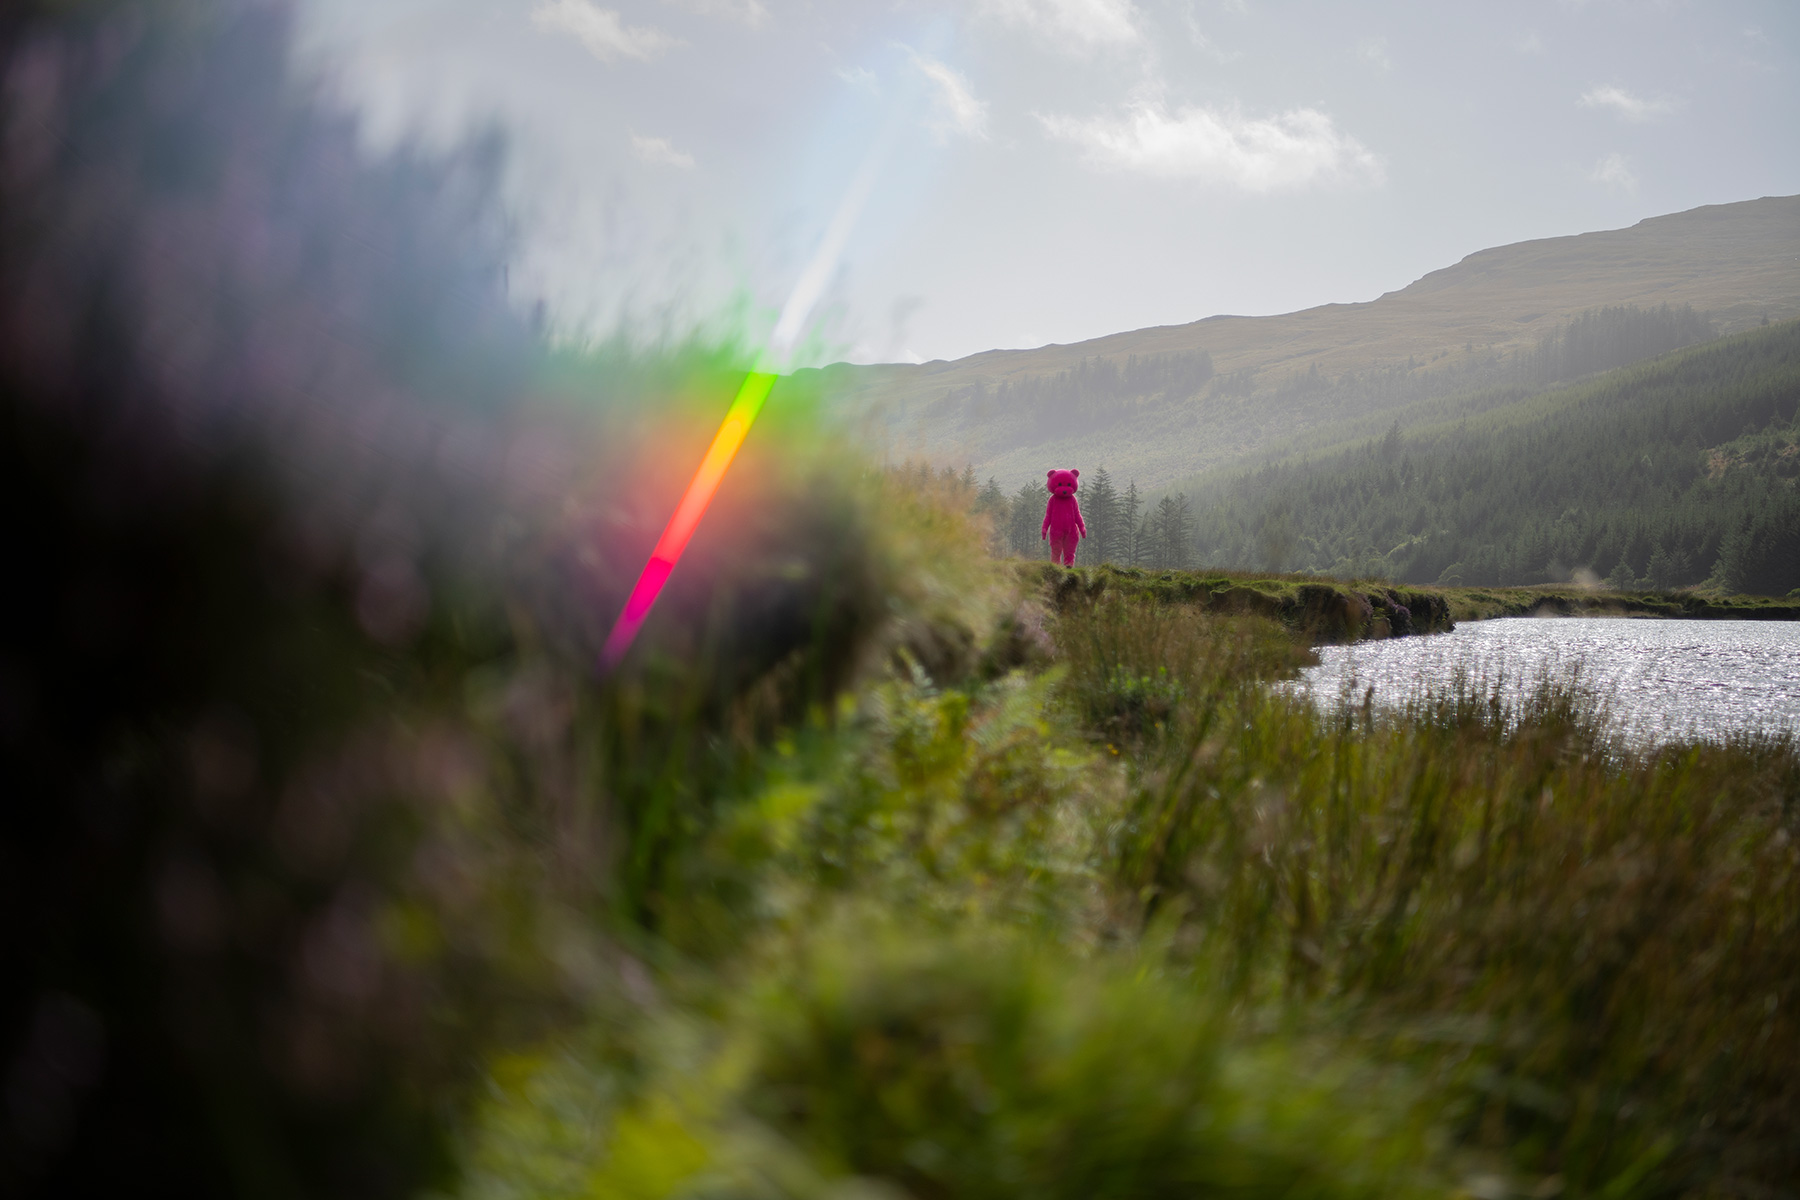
x,y
1075,473
1049,474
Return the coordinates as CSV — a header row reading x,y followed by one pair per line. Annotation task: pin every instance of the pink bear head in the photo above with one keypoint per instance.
x,y
1063,483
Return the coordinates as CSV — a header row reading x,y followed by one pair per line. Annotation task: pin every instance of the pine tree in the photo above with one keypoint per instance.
x,y
990,502
1669,568
1101,512
1027,518
1762,555
1170,530
1183,533
1131,543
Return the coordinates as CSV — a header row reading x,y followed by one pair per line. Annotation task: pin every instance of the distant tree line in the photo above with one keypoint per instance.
x,y
1667,474
1663,475
1602,339
1123,527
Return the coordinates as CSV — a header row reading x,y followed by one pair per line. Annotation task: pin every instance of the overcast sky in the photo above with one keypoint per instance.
x,y
1053,170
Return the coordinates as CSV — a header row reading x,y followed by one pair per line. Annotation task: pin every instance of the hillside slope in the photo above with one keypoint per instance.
x,y
1164,403
1657,475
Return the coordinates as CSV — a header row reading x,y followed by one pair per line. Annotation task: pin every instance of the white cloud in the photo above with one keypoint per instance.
x,y
861,78
1374,51
661,152
1632,108
1292,150
746,12
600,30
957,108
1197,35
1531,43
1614,170
1074,25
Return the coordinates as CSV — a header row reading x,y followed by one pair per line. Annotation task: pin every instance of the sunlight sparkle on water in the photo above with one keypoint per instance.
x,y
1660,680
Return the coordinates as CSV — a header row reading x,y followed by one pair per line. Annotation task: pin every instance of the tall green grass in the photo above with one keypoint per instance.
x,y
1592,950
1130,920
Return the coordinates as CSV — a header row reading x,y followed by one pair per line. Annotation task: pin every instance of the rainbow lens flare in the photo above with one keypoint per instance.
x,y
749,402
681,526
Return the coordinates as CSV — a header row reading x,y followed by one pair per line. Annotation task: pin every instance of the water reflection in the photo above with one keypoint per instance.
x,y
1660,680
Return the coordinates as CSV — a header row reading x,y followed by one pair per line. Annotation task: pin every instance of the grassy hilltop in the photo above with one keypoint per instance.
x,y
1161,404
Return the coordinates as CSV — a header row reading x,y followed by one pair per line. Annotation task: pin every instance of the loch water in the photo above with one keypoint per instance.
x,y
1657,680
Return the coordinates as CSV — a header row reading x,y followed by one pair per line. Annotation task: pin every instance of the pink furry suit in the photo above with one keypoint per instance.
x,y
1063,525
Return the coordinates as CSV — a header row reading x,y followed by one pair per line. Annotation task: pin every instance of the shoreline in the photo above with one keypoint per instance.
x,y
1329,610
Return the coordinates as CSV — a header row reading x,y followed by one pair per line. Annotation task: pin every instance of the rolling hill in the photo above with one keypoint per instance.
x,y
1662,475
1166,404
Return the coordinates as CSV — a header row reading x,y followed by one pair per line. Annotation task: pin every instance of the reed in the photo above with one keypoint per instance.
x,y
1592,949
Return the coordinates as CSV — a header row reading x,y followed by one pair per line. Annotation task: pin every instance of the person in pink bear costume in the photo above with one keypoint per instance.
x,y
1063,525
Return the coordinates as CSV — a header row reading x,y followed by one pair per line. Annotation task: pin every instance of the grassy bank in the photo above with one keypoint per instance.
x,y
1475,604
1326,609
